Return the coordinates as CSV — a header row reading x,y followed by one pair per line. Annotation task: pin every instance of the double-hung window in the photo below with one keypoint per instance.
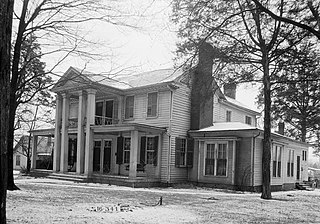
x,y
126,150
304,155
152,104
150,149
248,120
184,152
276,161
216,159
228,115
129,110
18,158
290,163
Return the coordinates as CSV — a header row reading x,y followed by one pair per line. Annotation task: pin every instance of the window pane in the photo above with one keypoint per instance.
x,y
209,170
274,168
150,150
152,104
209,161
126,150
129,107
279,169
221,167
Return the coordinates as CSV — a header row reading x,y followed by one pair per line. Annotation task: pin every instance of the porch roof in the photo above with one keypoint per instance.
x,y
116,128
238,129
43,132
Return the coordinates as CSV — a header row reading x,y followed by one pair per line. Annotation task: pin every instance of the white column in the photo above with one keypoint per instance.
x,y
120,109
158,168
134,145
57,135
91,107
80,134
64,133
34,152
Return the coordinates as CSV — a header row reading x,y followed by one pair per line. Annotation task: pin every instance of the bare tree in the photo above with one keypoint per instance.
x,y
247,40
56,24
306,11
6,14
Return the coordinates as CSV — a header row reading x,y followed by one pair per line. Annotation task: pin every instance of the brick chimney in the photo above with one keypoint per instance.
x,y
202,89
230,90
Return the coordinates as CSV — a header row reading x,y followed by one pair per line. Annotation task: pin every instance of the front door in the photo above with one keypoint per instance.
x,y
298,168
107,156
96,155
72,155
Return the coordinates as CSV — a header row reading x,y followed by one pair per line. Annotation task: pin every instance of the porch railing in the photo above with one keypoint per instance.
x,y
100,120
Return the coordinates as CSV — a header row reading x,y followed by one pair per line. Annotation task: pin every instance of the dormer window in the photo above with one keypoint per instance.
x,y
152,104
248,120
228,116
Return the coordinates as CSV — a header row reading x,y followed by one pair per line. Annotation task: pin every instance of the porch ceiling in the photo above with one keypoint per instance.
x,y
116,128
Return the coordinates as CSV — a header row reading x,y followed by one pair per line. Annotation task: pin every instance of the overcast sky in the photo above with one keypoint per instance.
x,y
148,47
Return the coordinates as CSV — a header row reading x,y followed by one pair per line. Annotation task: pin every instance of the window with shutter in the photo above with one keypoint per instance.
x,y
184,152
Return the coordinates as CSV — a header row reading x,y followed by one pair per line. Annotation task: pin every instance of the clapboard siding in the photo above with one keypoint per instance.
x,y
236,114
243,162
216,109
287,145
180,125
140,110
258,147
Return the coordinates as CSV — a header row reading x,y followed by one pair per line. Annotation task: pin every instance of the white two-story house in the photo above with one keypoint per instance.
x,y
163,127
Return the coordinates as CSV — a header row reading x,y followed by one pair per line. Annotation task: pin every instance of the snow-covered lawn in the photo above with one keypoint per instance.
x,y
53,201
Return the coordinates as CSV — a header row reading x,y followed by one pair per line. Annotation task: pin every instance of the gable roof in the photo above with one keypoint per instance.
x,y
234,102
121,82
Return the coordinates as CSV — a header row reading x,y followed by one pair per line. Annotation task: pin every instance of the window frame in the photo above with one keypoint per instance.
x,y
290,163
126,150
304,155
215,170
184,154
18,161
277,161
150,151
129,109
228,115
150,105
248,120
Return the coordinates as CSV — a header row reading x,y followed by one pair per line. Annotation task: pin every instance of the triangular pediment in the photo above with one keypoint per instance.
x,y
72,78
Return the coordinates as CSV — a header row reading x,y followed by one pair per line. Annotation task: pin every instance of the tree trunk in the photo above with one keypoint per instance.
x,y
13,87
12,111
266,152
304,129
6,13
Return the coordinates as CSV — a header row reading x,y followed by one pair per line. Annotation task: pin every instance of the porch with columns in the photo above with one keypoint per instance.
x,y
85,132
86,116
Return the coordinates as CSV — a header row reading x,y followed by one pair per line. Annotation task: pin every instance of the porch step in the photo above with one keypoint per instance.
x,y
59,176
99,178
69,177
125,181
304,186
